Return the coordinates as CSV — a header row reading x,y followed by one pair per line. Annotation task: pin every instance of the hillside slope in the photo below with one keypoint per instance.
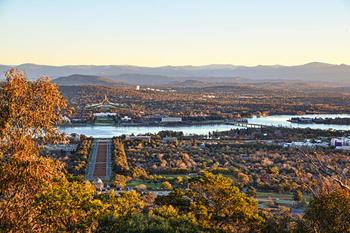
x,y
83,80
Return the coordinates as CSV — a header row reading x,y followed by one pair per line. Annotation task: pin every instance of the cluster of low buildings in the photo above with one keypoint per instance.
x,y
156,89
342,143
306,144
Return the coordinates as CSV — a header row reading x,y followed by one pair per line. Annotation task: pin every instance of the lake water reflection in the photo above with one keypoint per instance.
x,y
278,120
111,131
281,120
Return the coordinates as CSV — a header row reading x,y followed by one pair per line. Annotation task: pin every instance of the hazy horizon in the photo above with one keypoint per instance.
x,y
184,65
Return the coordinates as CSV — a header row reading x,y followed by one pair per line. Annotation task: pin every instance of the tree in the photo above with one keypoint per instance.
x,y
68,207
119,181
216,204
121,165
251,191
329,212
179,180
29,111
28,117
128,203
176,198
298,195
139,173
118,210
284,222
21,180
329,208
164,219
141,187
243,179
274,170
166,185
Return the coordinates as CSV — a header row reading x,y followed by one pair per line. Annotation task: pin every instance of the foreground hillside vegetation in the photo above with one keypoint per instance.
x,y
37,193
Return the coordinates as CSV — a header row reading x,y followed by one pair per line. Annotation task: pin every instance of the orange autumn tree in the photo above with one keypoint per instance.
x,y
29,113
35,195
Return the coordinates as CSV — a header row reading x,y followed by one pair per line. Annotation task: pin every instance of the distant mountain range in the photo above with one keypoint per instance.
x,y
315,72
79,80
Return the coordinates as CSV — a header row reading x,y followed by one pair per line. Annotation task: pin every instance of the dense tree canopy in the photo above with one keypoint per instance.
x,y
28,117
329,212
217,205
29,110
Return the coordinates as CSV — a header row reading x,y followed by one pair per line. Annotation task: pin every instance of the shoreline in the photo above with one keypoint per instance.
x,y
216,122
204,123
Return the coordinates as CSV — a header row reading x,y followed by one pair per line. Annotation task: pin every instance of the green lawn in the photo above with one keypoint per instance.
x,y
283,199
150,185
282,196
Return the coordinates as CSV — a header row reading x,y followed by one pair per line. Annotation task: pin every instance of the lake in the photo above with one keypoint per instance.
x,y
278,120
111,131
281,120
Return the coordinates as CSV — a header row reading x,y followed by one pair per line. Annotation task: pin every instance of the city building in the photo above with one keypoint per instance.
x,y
306,144
105,105
126,118
340,142
171,119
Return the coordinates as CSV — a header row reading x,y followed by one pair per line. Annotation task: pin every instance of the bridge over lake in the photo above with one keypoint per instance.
x,y
245,124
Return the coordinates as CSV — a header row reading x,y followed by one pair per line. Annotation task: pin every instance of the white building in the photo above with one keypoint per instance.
x,y
171,119
340,142
126,118
61,147
137,87
342,147
105,105
104,114
305,144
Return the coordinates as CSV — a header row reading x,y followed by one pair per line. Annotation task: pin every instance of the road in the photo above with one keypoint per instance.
x,y
100,164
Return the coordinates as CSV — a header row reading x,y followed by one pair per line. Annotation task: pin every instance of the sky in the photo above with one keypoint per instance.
x,y
174,32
